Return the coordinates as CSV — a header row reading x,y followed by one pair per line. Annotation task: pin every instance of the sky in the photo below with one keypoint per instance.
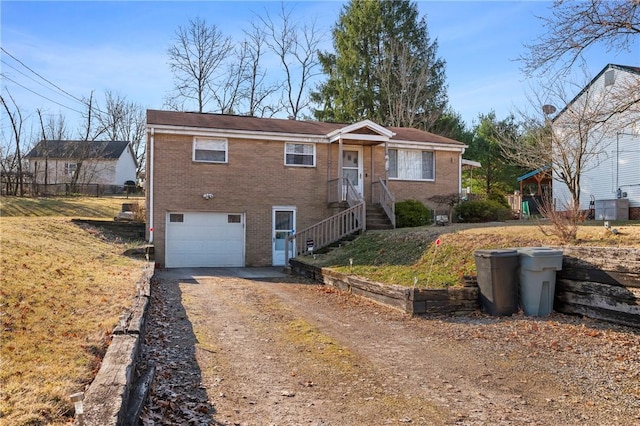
x,y
59,52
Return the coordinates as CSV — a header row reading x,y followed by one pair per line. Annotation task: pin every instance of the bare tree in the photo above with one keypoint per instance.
x,y
575,26
407,82
257,89
227,91
83,171
296,48
571,143
198,52
12,164
123,120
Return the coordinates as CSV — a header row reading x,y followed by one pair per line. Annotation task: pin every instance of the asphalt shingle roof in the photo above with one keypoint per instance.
x,y
106,150
277,125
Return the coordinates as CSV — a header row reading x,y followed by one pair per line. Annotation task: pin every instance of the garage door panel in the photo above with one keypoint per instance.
x,y
205,239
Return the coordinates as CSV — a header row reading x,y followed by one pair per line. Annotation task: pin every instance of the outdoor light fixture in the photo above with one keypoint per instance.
x,y
207,196
77,402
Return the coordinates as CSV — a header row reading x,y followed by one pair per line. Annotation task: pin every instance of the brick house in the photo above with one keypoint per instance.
x,y
228,190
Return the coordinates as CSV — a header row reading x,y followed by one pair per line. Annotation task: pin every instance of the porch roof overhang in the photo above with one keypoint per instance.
x,y
470,164
376,134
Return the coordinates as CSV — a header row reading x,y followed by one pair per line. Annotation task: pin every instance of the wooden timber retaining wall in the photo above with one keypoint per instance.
x,y
410,300
601,283
107,399
128,230
597,282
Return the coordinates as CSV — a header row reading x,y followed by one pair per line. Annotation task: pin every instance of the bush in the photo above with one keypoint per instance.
x,y
499,198
482,211
410,213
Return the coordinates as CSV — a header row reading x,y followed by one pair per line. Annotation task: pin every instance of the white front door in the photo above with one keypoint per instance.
x,y
284,224
352,166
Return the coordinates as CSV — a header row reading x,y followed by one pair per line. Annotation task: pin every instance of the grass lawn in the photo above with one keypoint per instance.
x,y
63,289
410,255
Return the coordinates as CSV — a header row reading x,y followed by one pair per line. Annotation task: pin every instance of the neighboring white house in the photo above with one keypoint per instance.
x,y
99,162
610,178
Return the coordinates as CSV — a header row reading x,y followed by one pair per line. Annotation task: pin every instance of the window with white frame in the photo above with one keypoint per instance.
x,y
210,150
410,164
70,168
300,154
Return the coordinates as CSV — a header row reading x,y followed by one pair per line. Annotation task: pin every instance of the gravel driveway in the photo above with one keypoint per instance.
x,y
269,349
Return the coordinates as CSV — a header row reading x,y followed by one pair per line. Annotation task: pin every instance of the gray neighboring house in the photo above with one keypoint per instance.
x,y
610,177
100,162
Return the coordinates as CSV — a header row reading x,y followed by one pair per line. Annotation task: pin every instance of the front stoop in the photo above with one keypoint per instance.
x,y
377,218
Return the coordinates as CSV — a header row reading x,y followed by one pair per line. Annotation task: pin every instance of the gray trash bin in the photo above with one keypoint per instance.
x,y
498,280
538,267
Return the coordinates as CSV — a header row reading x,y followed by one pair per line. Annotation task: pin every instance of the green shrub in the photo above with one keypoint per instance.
x,y
410,213
482,211
499,198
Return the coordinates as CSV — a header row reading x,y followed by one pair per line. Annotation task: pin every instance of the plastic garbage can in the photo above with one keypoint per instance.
x,y
498,280
538,267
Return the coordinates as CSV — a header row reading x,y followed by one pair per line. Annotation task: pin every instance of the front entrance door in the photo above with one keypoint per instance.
x,y
352,166
284,224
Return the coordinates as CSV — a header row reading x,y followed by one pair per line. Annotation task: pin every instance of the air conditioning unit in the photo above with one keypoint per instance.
x,y
617,209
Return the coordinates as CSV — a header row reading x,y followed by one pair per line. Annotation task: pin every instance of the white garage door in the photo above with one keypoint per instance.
x,y
204,239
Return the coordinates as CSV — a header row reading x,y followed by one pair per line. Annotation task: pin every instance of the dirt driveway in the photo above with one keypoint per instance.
x,y
281,351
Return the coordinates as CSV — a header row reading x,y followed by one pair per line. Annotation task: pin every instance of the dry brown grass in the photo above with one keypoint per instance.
x,y
63,289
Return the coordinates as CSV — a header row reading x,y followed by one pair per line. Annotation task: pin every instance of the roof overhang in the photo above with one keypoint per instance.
x,y
534,172
380,134
469,164
435,146
238,134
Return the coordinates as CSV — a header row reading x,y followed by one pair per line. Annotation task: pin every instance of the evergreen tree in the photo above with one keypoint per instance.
x,y
385,67
497,171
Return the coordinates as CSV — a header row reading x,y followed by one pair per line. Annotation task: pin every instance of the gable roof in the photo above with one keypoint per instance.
x,y
626,68
534,172
105,150
316,129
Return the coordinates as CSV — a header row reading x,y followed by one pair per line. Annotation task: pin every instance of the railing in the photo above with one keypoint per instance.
x,y
385,198
351,195
341,189
334,191
326,232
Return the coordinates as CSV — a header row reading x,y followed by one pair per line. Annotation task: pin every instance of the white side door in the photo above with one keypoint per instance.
x,y
284,224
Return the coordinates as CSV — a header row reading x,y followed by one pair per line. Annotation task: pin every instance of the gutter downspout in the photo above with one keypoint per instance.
x,y
150,177
460,170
